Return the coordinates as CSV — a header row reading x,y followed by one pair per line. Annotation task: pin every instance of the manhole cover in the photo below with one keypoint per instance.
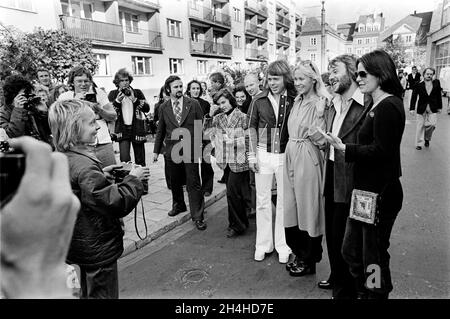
x,y
194,275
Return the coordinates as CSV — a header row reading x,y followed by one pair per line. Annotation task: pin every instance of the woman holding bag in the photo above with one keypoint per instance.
x,y
377,170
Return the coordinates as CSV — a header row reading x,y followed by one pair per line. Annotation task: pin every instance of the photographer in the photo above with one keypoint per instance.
x,y
97,241
129,104
23,113
34,246
83,88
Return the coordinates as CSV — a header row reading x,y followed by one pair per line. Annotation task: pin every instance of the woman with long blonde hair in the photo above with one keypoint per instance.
x,y
304,218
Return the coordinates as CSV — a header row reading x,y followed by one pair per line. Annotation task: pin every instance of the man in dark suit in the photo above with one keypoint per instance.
x,y
343,119
413,78
179,117
429,92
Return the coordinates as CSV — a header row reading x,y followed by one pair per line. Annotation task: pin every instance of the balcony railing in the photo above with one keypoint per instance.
x,y
256,7
298,28
257,30
142,37
298,44
284,39
93,30
256,54
210,47
208,14
281,19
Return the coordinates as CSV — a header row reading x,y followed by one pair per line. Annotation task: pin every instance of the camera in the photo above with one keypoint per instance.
x,y
120,173
32,101
12,168
91,97
126,91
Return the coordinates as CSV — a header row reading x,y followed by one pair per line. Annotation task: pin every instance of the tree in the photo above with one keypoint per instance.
x,y
396,49
55,50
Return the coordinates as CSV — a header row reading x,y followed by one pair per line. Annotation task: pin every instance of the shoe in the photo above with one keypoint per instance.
x,y
427,143
418,148
292,264
207,194
259,256
303,269
283,259
325,284
174,212
221,181
200,224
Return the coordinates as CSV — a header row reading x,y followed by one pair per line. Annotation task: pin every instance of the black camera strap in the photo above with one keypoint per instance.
x,y
143,217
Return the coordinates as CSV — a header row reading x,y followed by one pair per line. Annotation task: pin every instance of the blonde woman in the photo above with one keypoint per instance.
x,y
303,202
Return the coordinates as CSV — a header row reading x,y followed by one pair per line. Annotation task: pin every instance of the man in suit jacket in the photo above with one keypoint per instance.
x,y
343,119
430,102
181,116
413,78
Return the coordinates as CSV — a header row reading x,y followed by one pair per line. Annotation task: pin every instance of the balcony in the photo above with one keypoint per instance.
x,y
92,30
255,30
298,29
205,14
255,54
298,44
211,48
144,38
283,39
283,21
257,8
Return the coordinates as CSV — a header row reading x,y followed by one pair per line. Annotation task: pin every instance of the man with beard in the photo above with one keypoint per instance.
x,y
343,119
177,115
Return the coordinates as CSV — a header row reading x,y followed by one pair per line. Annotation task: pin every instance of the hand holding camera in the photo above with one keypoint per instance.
x,y
143,173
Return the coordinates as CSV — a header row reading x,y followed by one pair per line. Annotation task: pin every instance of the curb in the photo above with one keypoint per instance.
x,y
165,226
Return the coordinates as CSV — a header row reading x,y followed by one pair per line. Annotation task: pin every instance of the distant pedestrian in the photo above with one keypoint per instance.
x,y
429,103
243,98
227,125
44,78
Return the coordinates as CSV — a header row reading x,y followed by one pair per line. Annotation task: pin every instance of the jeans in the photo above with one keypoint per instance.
x,y
99,282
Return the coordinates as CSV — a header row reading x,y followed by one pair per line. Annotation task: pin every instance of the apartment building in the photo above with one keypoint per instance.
x,y
438,42
311,40
367,32
156,38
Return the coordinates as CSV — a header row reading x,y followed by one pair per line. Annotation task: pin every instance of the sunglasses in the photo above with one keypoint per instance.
x,y
361,74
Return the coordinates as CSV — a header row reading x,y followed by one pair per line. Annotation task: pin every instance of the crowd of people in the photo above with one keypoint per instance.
x,y
317,139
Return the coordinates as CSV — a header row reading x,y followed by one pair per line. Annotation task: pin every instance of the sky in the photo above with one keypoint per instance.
x,y
343,11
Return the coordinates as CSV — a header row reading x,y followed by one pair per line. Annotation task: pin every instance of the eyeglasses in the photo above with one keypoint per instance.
x,y
361,74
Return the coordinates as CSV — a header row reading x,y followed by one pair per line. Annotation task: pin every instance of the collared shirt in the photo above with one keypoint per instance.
x,y
127,110
275,103
342,108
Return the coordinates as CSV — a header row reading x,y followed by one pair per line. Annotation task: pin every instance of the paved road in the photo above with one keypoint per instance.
x,y
186,263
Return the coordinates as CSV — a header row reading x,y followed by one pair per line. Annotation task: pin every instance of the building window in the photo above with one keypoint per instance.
x,y
194,4
408,38
71,8
131,21
359,51
176,66
361,28
313,57
202,67
360,41
446,13
174,28
313,40
194,35
271,49
237,42
237,14
367,40
142,65
103,64
349,50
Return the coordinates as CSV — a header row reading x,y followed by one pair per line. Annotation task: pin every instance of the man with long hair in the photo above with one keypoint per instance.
x,y
268,116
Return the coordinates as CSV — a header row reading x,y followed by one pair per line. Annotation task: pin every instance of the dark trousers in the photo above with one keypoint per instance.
x,y
207,177
226,172
335,222
100,282
365,246
253,190
193,187
306,248
239,200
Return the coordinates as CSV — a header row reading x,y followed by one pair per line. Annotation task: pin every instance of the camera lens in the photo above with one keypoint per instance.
x,y
12,167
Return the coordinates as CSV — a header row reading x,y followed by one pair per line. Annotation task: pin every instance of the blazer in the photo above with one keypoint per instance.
x,y
434,99
377,152
343,171
263,123
413,80
191,119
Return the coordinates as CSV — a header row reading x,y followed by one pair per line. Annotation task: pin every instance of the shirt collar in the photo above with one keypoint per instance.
x,y
180,100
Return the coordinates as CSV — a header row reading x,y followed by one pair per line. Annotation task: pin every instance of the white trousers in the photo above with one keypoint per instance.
x,y
269,164
423,132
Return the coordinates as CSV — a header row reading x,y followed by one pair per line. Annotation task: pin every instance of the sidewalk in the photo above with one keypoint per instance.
x,y
157,204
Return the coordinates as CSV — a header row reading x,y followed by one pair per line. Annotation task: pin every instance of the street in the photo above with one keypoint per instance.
x,y
187,263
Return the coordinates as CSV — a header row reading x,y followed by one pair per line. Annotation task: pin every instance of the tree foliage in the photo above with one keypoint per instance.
x,y
401,53
55,50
